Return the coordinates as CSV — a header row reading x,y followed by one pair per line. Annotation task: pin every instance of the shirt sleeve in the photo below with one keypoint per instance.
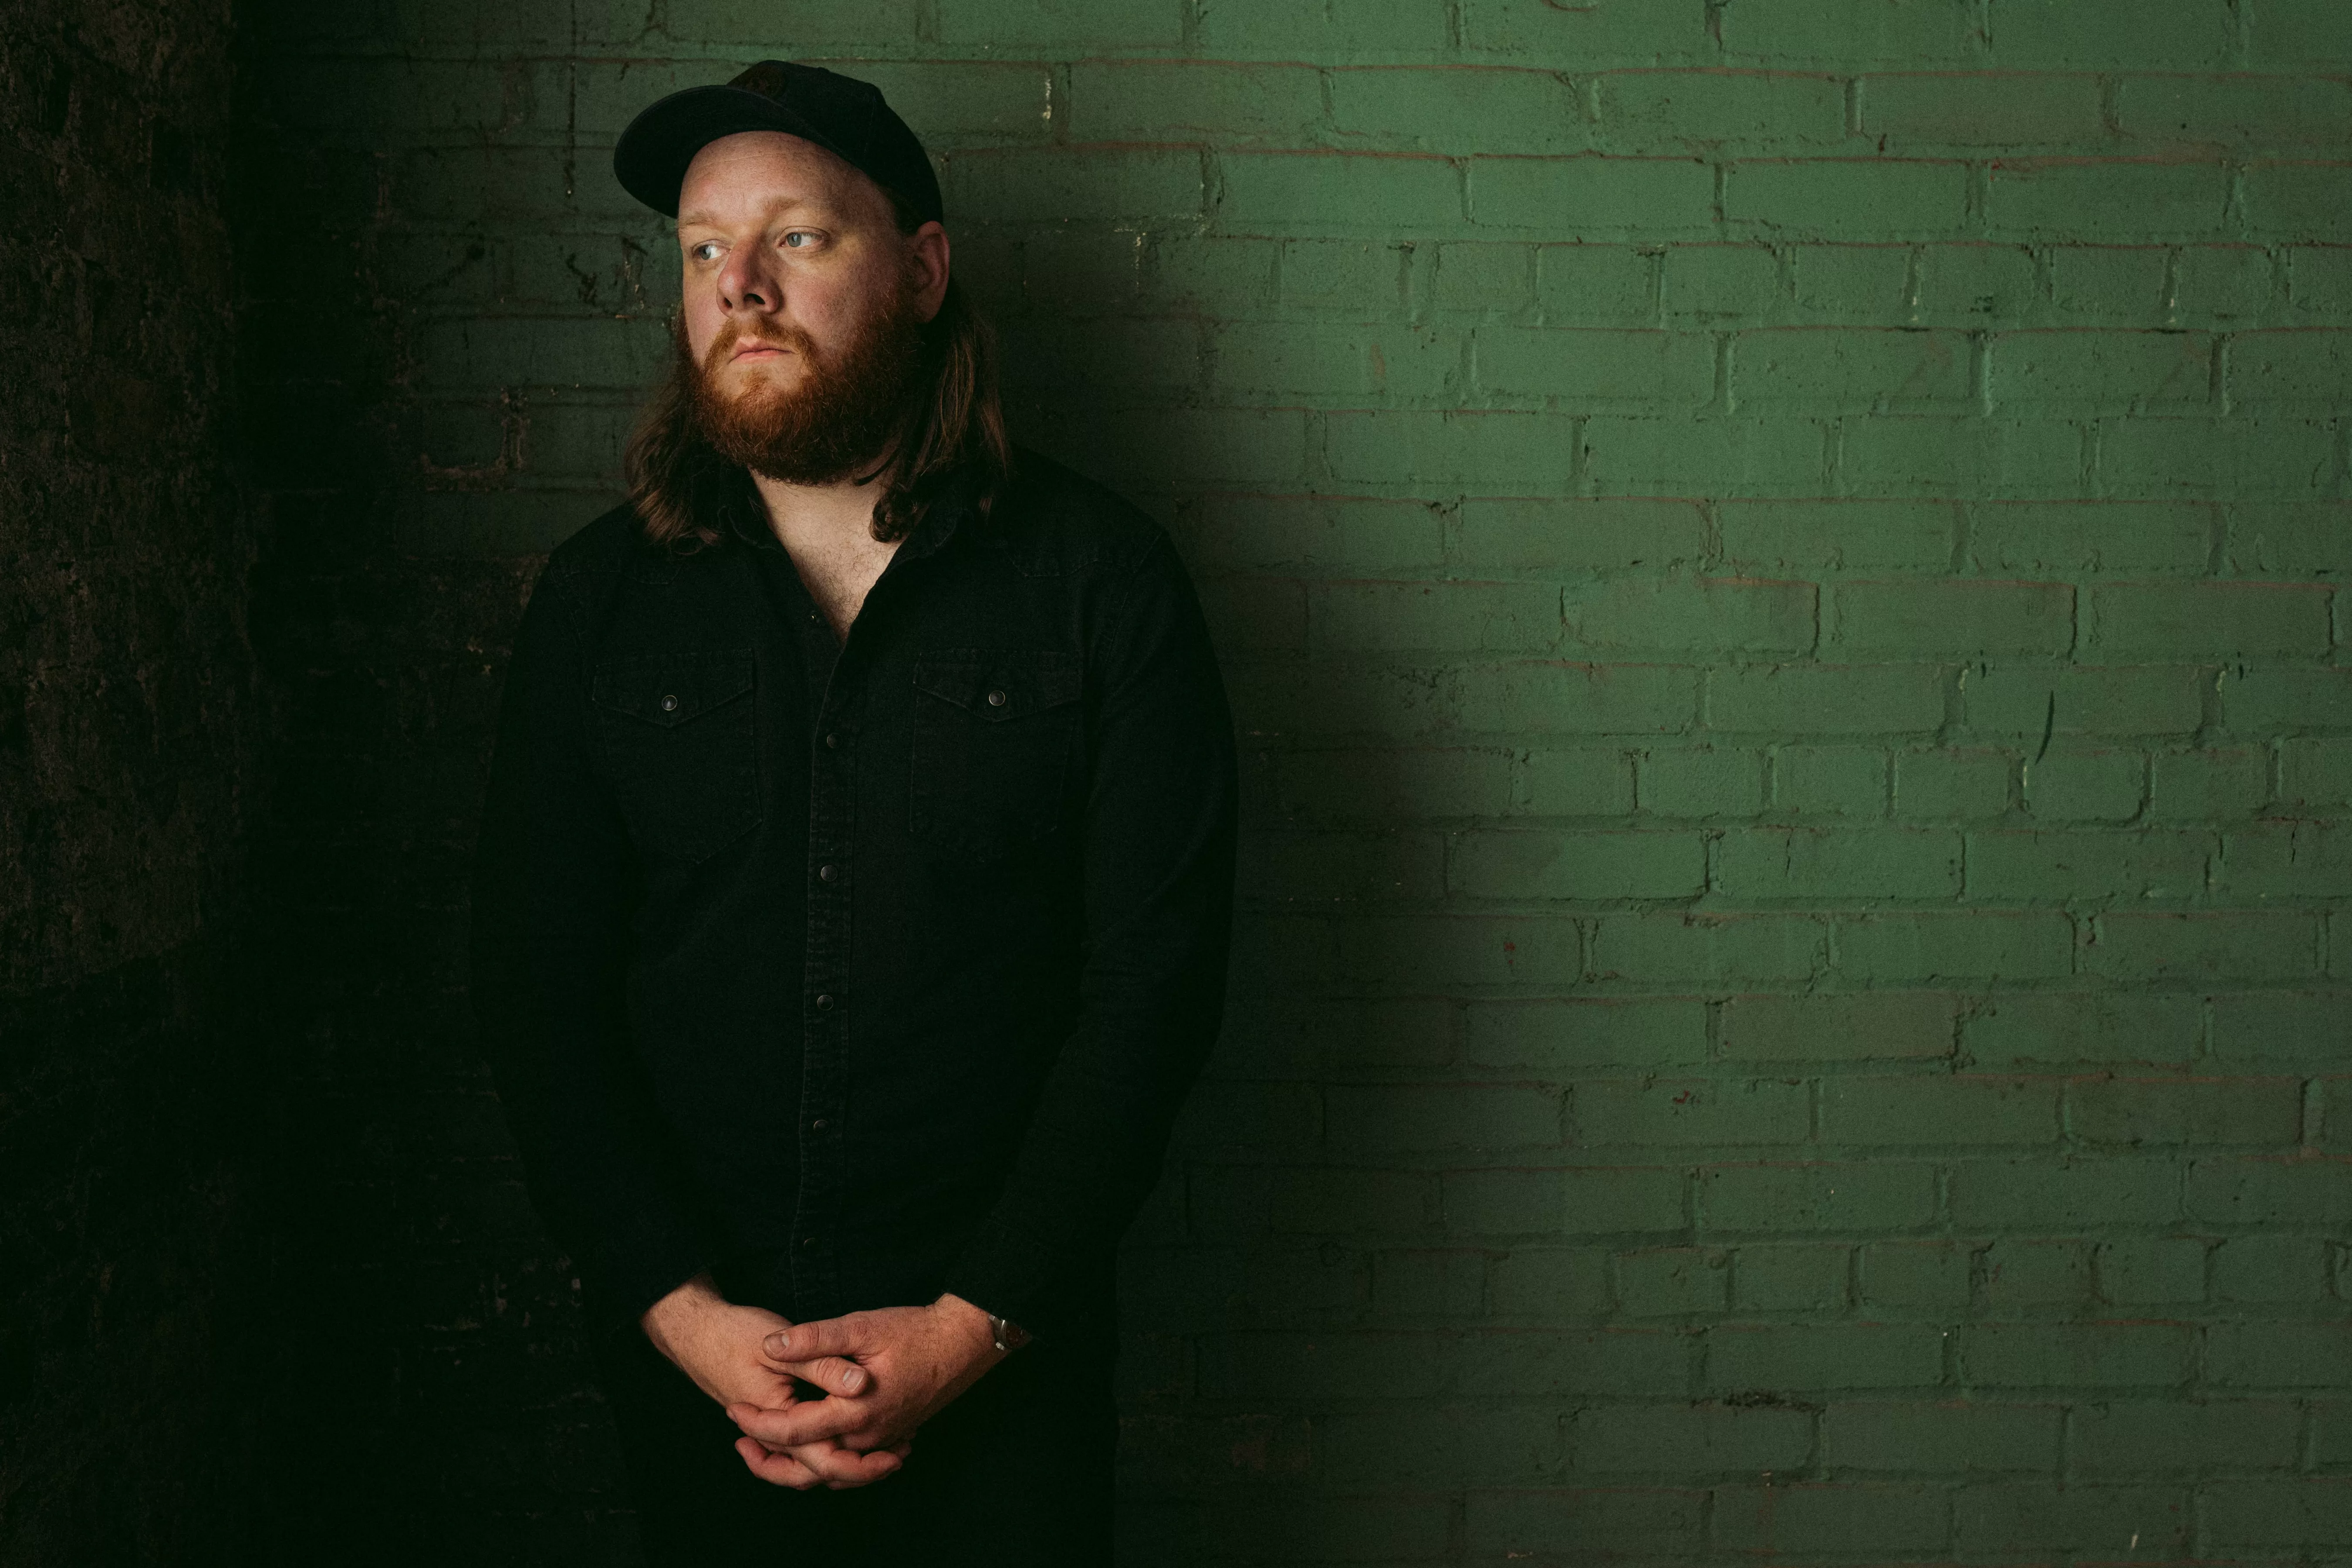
x,y
555,883
1159,850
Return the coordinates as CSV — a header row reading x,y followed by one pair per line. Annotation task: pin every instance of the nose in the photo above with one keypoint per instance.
x,y
746,288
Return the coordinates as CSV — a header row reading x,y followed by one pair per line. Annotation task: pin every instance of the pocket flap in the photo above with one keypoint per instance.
x,y
996,685
669,689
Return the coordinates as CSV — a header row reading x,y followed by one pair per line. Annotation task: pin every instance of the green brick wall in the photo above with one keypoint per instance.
x,y
1778,562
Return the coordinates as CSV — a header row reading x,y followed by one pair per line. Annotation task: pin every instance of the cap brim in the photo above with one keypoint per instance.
x,y
651,158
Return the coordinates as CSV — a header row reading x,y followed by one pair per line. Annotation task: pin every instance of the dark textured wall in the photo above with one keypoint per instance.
x,y
128,777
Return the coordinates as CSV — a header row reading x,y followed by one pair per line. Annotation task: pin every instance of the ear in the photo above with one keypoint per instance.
x,y
926,259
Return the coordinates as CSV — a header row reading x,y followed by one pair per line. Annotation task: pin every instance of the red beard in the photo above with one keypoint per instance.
x,y
836,422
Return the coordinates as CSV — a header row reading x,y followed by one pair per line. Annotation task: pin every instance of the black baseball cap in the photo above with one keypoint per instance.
x,y
841,114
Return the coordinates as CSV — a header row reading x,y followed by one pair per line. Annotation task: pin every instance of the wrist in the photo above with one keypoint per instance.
x,y
974,1327
671,1322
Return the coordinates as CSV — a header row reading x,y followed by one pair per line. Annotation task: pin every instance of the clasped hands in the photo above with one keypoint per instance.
x,y
880,1375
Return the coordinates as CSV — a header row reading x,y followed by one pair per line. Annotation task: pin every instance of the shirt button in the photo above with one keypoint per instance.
x,y
808,1244
819,1125
833,741
826,873
824,1003
996,700
669,704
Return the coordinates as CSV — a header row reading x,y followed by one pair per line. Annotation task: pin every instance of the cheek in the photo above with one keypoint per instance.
x,y
704,317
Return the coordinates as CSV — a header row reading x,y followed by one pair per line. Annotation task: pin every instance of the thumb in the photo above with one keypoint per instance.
x,y
808,1341
834,1373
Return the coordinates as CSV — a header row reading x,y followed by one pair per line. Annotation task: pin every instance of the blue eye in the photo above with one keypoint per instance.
x,y
799,239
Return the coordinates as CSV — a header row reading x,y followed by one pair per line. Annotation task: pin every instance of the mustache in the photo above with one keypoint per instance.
x,y
779,335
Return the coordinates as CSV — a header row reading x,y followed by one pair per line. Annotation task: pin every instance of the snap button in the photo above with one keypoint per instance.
x,y
826,873
669,704
824,1003
833,741
819,1125
996,700
808,1244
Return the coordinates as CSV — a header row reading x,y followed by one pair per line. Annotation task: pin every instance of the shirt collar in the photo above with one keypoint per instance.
x,y
952,504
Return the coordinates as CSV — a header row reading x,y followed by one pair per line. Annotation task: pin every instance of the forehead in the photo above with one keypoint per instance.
x,y
752,174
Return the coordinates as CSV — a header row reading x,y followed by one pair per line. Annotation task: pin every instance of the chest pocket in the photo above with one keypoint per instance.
x,y
995,748
680,748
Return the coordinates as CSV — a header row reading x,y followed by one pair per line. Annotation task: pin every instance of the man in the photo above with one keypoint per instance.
x,y
854,890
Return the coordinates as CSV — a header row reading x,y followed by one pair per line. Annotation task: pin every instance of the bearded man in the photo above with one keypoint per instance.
x,y
855,886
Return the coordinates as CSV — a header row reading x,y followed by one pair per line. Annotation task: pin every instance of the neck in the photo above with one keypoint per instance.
x,y
819,517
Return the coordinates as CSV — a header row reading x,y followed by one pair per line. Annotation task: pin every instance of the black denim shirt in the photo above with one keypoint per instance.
x,y
856,975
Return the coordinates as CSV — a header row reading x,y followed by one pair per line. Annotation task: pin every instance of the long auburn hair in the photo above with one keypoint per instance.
x,y
953,419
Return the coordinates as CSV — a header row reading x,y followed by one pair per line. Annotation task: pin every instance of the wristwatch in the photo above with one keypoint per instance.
x,y
1010,1335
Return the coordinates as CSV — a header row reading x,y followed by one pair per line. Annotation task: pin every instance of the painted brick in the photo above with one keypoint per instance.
x,y
1837,535
1852,30
1820,367
2235,946
2123,371
1653,110
2291,1514
2227,619
2094,537
2268,1192
1833,1356
1666,1112
1670,948
2063,1194
1877,949
1935,785
2143,865
1672,1281
1040,187
1808,862
1511,452
1886,199
1943,1436
2289,538
1365,1120
2278,1355
1891,698
1881,1196
2082,1355
1705,285
1707,614
1909,1111
1596,285
2156,199
1915,1274
2152,1271
1149,100
1522,1524
1555,1036
1830,780
2282,1027
1924,109
1638,456
1598,1201
1791,1278
2296,32
2170,33
1980,285
2025,702
1702,1440
1597,196
1576,866
1279,191
1896,454
1499,618
1855,285
1564,536
2297,201
2016,1519
1485,276
1867,1026
2273,1268
2288,861
2080,786
1380,26
1575,782
2095,1026
1965,617
2267,111
2205,1111
2030,1277
1664,369
2276,458
1457,110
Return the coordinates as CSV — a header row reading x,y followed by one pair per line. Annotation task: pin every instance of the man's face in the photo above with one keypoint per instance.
x,y
803,302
